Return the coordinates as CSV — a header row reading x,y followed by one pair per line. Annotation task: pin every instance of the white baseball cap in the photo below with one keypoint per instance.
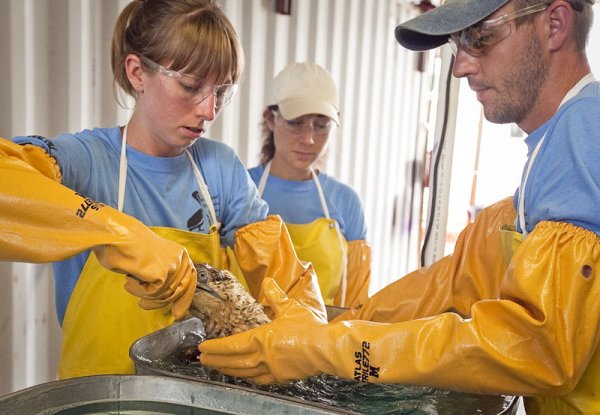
x,y
305,88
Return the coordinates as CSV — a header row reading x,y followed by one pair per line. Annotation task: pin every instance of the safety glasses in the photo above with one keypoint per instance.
x,y
194,89
476,39
320,124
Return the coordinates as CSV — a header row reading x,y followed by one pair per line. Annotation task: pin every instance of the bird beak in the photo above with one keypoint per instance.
x,y
209,290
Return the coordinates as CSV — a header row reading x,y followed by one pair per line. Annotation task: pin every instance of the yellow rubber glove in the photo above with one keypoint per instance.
x,y
535,337
473,272
44,221
264,250
359,274
247,354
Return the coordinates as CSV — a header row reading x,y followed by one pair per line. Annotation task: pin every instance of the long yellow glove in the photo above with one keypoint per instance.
x,y
264,250
535,339
359,275
472,273
245,355
43,221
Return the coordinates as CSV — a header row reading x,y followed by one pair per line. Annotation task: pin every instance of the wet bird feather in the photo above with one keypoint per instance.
x,y
223,304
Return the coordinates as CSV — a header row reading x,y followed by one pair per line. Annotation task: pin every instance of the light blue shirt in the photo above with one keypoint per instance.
x,y
299,202
160,191
564,182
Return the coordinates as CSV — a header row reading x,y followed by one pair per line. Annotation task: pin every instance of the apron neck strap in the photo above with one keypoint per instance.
x,y
203,189
572,93
263,179
199,179
122,171
321,194
262,183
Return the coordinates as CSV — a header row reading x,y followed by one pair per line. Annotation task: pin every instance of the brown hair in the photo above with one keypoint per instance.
x,y
582,19
191,36
267,151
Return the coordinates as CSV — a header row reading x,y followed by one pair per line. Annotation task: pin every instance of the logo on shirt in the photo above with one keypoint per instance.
x,y
196,221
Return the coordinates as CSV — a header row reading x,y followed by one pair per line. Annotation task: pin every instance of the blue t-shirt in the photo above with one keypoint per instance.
x,y
564,181
160,191
298,202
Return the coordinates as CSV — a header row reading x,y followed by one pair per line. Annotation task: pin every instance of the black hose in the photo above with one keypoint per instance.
x,y
437,163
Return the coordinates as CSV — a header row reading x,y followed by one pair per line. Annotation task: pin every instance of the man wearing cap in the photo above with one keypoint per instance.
x,y
515,310
324,216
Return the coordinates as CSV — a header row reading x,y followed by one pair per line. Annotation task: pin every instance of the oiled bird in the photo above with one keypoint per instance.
x,y
223,304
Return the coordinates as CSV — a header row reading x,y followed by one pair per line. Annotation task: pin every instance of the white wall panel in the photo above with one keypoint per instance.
x,y
56,77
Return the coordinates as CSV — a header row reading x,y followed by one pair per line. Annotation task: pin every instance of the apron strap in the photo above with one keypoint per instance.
x,y
321,194
122,171
215,225
204,191
263,179
572,92
344,283
262,183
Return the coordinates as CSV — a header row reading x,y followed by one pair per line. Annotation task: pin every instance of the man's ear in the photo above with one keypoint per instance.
x,y
134,71
561,19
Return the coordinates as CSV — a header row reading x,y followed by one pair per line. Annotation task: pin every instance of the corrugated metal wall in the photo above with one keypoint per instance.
x,y
384,105
55,76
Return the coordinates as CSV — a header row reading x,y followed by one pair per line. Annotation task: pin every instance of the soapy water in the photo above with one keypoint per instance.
x,y
350,395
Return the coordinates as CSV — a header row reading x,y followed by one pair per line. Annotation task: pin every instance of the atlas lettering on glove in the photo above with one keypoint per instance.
x,y
363,369
86,205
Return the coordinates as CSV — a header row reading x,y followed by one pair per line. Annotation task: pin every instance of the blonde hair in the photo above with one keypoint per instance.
x,y
191,36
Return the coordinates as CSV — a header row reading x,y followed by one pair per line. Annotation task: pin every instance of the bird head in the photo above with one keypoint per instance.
x,y
207,278
223,304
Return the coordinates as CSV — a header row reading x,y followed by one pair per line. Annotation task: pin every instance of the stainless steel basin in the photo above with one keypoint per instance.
x,y
162,345
145,395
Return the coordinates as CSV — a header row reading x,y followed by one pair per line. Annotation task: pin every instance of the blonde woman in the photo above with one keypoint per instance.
x,y
86,200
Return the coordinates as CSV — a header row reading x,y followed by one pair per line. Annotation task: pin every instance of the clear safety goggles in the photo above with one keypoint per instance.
x,y
476,39
319,124
194,89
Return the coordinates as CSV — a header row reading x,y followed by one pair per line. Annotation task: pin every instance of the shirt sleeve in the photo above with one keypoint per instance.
x,y
239,203
74,155
346,207
564,181
355,226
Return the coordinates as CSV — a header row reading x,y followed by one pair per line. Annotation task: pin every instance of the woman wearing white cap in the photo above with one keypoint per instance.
x,y
324,217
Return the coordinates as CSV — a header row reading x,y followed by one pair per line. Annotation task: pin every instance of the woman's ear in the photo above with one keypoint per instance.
x,y
134,71
269,119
